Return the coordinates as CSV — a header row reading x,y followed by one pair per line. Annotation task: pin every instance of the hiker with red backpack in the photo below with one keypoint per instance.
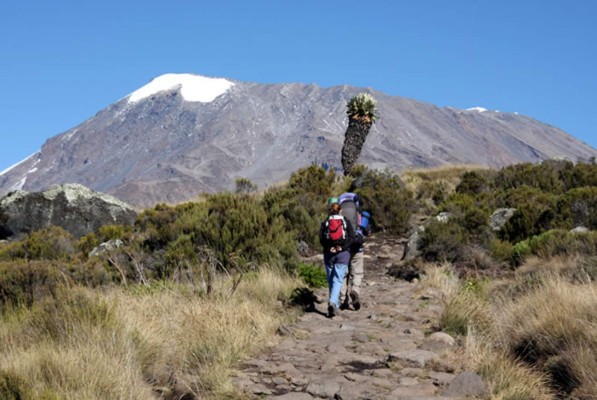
x,y
351,204
336,235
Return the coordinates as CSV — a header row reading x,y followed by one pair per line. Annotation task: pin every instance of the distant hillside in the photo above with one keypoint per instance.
x,y
181,135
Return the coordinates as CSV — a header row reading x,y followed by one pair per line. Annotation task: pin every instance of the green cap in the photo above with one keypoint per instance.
x,y
332,200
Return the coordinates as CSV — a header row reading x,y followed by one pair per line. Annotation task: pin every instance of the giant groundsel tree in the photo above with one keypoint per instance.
x,y
362,113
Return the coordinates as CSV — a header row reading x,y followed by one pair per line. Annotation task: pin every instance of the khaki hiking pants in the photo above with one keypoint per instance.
x,y
355,273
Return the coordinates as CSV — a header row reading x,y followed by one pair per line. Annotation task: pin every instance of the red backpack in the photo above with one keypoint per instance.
x,y
335,229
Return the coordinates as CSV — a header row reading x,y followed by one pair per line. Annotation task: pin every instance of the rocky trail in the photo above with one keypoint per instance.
x,y
386,350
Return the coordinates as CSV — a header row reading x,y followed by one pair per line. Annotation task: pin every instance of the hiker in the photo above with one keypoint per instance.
x,y
351,204
336,236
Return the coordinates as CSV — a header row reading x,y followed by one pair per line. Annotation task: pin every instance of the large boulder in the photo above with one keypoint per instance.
x,y
74,207
500,217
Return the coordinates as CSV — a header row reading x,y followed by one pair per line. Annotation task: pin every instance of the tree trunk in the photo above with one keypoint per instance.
x,y
354,139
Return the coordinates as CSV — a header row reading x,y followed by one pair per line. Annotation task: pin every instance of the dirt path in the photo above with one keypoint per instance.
x,y
382,351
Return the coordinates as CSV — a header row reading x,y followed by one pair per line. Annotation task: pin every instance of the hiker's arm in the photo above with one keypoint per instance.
x,y
322,239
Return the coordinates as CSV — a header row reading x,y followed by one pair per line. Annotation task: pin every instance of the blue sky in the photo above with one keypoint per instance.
x,y
63,61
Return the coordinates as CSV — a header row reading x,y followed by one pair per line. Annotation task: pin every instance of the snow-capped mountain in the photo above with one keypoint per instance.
x,y
183,134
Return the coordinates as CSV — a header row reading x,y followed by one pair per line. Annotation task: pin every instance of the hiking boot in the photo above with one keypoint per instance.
x,y
354,296
332,310
344,305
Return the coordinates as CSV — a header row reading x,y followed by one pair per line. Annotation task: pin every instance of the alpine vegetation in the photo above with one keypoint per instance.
x,y
362,112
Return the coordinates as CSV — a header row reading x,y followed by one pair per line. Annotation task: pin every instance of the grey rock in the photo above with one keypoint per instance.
x,y
441,378
422,389
278,380
293,396
443,217
166,149
442,337
579,229
75,208
106,247
417,357
407,381
258,389
411,248
326,389
466,384
500,217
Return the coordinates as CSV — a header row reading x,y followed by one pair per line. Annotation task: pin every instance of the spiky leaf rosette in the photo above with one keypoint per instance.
x,y
362,112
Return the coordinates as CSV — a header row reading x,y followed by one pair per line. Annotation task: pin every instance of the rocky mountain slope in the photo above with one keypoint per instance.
x,y
181,135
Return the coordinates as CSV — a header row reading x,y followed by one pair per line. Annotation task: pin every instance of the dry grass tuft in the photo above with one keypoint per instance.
x,y
550,324
448,174
441,277
165,342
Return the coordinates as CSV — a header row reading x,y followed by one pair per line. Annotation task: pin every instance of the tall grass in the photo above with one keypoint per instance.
x,y
554,327
163,342
534,337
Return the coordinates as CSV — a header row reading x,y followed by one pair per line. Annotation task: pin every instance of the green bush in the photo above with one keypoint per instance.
x,y
501,249
25,282
158,225
437,191
474,182
238,230
301,204
313,275
467,211
583,174
53,243
544,176
578,207
554,243
385,196
444,241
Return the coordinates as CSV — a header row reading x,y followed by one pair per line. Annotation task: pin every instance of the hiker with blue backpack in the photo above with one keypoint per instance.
x,y
351,204
336,235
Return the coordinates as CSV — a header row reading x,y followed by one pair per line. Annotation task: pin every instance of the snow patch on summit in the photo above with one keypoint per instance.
x,y
194,88
478,109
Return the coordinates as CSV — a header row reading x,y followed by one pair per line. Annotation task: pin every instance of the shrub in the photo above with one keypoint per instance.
x,y
25,282
554,243
526,222
544,176
313,275
468,212
385,196
444,241
583,174
437,191
473,183
245,186
53,243
578,207
158,225
301,213
238,229
501,250
301,203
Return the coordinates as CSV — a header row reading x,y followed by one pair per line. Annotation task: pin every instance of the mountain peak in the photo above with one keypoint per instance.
x,y
194,88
